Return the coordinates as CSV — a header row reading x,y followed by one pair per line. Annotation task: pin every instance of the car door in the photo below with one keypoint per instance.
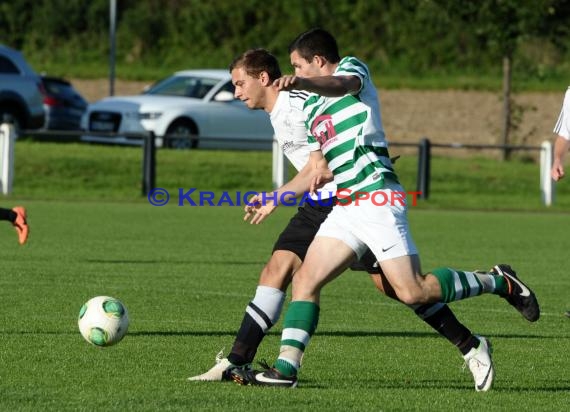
x,y
233,120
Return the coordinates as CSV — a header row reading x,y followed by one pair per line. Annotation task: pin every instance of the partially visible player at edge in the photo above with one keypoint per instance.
x,y
562,143
346,131
253,74
17,216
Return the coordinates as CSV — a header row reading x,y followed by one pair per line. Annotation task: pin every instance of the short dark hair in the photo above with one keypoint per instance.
x,y
255,61
316,42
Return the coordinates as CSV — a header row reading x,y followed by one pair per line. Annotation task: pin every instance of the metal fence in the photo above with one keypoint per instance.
x,y
280,170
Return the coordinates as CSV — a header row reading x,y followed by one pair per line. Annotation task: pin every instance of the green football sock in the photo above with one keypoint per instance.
x,y
299,325
458,285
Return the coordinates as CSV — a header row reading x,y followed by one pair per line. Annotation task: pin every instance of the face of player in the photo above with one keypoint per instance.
x,y
248,89
303,68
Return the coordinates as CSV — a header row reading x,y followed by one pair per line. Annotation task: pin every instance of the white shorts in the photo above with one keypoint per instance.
x,y
379,223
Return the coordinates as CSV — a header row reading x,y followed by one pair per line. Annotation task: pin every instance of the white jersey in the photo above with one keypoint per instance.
x,y
562,127
288,122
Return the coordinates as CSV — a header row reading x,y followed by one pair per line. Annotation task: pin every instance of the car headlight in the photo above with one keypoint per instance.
x,y
150,115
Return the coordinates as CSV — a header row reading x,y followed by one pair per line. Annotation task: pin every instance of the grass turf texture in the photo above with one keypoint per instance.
x,y
187,273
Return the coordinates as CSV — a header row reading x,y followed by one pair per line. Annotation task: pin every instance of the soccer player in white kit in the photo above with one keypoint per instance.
x,y
562,143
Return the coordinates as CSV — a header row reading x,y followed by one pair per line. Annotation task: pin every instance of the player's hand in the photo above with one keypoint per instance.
x,y
557,171
253,202
288,82
256,210
320,179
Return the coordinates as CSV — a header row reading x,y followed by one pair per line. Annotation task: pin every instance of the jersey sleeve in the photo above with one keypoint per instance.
x,y
313,144
308,108
351,66
562,127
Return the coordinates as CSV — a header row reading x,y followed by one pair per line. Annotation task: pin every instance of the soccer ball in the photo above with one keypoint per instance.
x,y
103,321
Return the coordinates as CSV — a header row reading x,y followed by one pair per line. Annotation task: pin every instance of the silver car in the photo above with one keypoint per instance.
x,y
191,108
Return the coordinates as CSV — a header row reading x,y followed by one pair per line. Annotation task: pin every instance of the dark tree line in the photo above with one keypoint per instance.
x,y
398,36
520,38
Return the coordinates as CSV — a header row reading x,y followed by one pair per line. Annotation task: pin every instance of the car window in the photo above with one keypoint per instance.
x,y
58,88
7,67
228,87
187,86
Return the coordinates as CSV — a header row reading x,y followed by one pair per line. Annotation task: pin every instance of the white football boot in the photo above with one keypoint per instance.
x,y
221,371
481,365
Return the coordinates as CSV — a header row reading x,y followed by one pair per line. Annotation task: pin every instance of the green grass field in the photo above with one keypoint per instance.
x,y
187,273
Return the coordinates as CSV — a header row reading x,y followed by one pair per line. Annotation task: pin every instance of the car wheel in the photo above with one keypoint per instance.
x,y
182,128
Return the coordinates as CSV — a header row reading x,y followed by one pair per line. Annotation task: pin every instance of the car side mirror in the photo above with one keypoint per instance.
x,y
224,96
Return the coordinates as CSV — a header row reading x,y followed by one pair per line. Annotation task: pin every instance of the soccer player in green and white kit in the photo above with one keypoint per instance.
x,y
345,129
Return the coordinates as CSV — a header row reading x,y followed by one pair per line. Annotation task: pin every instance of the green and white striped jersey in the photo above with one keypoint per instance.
x,y
349,132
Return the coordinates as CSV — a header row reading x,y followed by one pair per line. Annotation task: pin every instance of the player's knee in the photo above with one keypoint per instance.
x,y
310,282
410,296
277,274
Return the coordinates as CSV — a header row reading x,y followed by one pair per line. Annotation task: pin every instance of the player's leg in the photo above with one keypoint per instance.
x,y
17,216
437,315
329,255
265,308
326,259
448,285
385,230
476,350
263,311
7,214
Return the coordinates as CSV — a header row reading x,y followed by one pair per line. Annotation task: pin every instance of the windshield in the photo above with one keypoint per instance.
x,y
186,86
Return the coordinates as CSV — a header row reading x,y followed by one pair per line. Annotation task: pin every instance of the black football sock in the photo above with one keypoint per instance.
x,y
446,324
260,315
247,341
7,214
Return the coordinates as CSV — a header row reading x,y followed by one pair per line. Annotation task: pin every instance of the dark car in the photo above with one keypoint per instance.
x,y
20,91
63,105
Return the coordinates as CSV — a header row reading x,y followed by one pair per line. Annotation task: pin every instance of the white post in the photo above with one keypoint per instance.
x,y
7,138
547,190
280,169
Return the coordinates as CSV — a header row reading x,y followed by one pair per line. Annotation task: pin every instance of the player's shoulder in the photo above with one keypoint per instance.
x,y
352,61
297,98
350,65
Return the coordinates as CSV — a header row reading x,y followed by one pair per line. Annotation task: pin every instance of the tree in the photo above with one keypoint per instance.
x,y
501,25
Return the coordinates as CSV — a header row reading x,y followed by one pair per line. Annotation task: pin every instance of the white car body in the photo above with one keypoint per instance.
x,y
213,117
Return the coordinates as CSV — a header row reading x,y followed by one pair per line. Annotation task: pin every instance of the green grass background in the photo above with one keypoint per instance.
x,y
187,273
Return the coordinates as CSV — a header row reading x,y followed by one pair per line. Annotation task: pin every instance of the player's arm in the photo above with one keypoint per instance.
x,y
329,86
561,146
312,176
316,170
